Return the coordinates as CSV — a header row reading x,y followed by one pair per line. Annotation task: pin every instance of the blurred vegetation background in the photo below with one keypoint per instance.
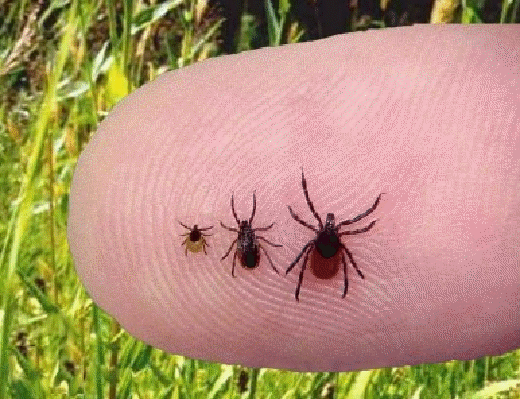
x,y
63,66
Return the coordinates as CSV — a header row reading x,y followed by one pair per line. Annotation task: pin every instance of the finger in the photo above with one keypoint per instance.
x,y
429,115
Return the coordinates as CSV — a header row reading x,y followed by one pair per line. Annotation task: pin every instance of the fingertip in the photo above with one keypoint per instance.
x,y
123,237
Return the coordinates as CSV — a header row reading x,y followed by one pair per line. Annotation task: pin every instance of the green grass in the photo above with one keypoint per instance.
x,y
54,342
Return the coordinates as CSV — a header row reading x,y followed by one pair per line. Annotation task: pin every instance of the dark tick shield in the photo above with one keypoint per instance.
x,y
326,247
247,242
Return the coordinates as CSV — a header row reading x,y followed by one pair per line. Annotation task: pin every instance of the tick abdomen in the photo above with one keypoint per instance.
x,y
324,268
250,259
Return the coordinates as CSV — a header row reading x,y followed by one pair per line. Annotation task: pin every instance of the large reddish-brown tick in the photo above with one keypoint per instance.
x,y
195,241
248,247
326,246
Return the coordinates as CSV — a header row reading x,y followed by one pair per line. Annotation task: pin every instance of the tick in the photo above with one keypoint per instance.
x,y
247,242
326,246
195,241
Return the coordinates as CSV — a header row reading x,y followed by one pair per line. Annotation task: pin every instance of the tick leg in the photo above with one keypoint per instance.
x,y
297,218
186,247
351,258
233,210
234,262
229,250
254,209
309,202
345,287
269,259
362,215
229,228
183,225
300,279
264,228
363,230
269,242
204,246
206,235
206,228
299,256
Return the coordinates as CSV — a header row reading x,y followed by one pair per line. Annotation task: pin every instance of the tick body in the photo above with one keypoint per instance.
x,y
195,241
247,242
326,249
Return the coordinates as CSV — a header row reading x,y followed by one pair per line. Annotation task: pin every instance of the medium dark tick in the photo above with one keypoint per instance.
x,y
195,241
248,247
327,244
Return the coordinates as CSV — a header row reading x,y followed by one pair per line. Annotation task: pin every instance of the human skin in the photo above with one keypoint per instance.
x,y
427,115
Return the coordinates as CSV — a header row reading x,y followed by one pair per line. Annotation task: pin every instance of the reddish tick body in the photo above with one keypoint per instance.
x,y
326,247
